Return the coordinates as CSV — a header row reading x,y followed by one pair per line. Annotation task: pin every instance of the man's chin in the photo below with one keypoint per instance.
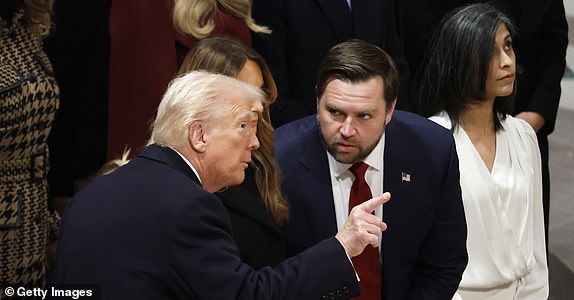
x,y
345,158
237,181
240,180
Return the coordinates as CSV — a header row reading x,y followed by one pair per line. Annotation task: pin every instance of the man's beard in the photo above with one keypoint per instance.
x,y
360,156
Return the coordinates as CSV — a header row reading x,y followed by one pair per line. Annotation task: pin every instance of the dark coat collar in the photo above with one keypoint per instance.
x,y
338,15
314,160
169,157
366,26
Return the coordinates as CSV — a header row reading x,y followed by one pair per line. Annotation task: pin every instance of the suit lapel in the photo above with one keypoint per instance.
x,y
321,208
339,18
367,16
169,157
398,159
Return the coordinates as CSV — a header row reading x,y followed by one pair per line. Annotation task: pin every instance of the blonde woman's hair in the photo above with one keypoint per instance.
x,y
227,56
114,164
196,17
107,168
196,97
40,14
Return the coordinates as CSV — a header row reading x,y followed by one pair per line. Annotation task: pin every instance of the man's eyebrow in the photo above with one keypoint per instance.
x,y
331,106
243,113
366,111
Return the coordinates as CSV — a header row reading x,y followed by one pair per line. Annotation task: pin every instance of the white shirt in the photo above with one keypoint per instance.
x,y
342,180
506,248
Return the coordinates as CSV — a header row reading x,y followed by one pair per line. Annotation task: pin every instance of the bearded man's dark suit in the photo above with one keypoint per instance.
x,y
424,247
150,231
304,30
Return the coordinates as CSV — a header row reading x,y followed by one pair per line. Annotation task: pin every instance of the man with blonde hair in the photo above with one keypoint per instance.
x,y
153,230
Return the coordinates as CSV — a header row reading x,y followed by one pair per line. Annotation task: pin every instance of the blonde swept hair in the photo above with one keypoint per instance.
x,y
227,56
114,164
195,97
107,168
196,17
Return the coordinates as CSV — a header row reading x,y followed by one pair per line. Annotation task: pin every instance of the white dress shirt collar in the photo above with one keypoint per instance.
x,y
188,163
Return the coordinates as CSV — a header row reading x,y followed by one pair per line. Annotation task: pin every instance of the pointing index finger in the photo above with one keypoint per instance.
x,y
373,203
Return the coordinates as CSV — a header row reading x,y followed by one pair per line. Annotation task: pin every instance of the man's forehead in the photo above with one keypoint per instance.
x,y
246,108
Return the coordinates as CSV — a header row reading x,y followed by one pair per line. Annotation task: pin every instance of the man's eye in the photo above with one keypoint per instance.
x,y
334,112
243,125
365,117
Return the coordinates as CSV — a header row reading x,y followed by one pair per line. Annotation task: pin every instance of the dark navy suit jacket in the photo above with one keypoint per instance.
x,y
150,231
424,247
305,30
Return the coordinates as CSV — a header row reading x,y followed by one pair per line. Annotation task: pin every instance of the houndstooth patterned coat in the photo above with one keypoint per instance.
x,y
28,103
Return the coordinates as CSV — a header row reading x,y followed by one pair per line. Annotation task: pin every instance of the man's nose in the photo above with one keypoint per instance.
x,y
253,143
347,128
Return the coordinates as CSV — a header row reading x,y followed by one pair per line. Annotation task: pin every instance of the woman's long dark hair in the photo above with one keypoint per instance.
x,y
457,61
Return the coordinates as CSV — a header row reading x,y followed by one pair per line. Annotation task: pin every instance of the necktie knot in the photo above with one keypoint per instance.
x,y
359,170
360,190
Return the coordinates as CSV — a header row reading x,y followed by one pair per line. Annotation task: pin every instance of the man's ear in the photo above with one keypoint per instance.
x,y
196,137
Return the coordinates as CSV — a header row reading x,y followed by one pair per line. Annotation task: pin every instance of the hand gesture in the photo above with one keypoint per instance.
x,y
362,227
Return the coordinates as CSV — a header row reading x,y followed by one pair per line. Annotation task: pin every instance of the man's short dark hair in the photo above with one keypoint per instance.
x,y
356,61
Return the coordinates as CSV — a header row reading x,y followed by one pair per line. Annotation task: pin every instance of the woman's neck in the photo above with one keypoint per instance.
x,y
478,117
477,122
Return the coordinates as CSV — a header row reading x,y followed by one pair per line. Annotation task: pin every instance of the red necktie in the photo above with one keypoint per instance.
x,y
367,263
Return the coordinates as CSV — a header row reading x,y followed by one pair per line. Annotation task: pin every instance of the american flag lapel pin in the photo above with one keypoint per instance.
x,y
405,177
